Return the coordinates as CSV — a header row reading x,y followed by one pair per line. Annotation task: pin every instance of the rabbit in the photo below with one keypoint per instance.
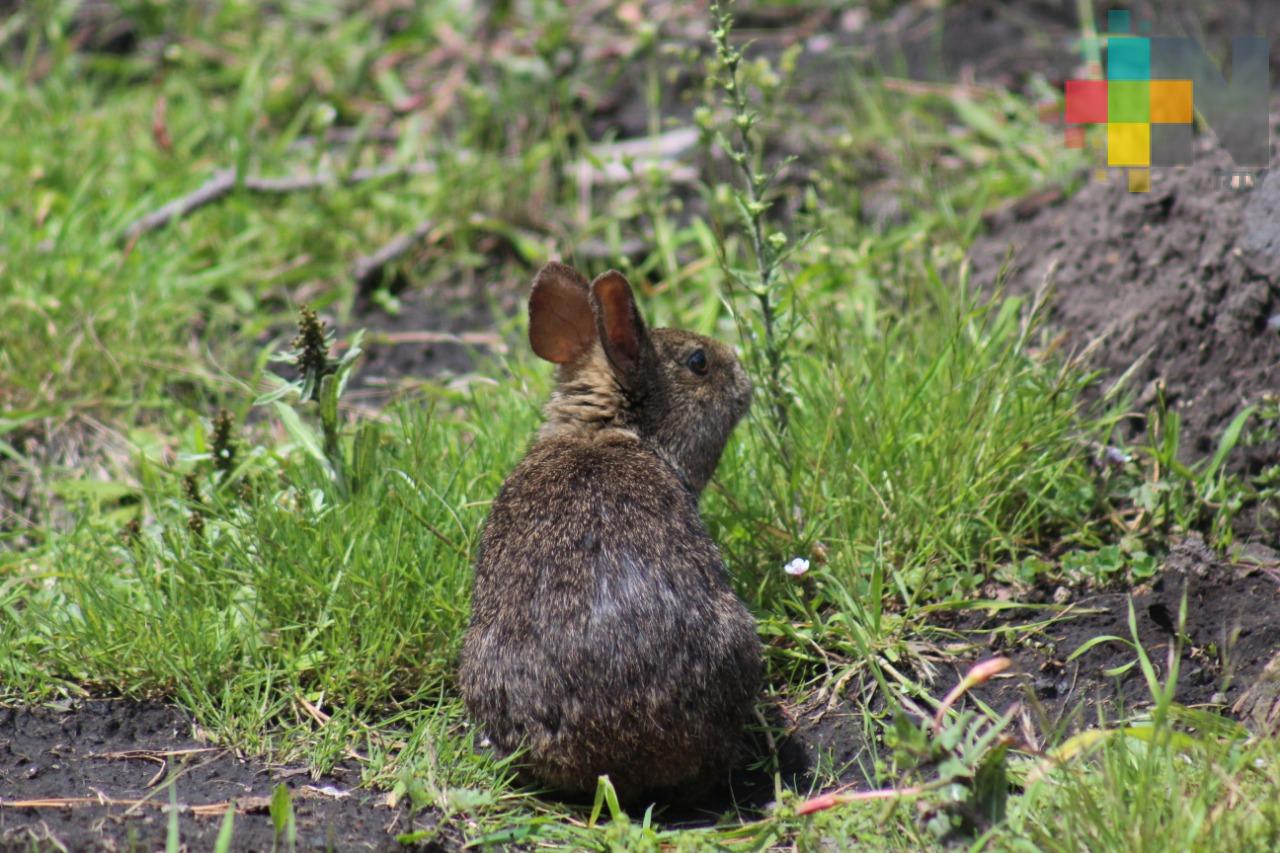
x,y
604,636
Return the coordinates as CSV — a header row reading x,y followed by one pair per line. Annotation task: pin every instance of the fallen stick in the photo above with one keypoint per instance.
x,y
224,181
313,711
614,163
664,146
471,339
368,268
161,757
153,754
210,191
243,806
660,150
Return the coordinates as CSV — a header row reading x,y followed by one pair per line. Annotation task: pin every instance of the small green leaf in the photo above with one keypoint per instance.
x,y
952,768
417,837
282,389
173,840
1096,641
606,794
512,835
282,817
1117,671
223,842
1230,437
598,803
468,799
303,434
329,401
96,491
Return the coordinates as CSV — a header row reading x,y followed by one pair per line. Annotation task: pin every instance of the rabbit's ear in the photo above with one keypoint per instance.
x,y
561,326
620,325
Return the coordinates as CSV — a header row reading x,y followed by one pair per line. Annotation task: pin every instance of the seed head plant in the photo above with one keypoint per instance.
x,y
766,280
321,380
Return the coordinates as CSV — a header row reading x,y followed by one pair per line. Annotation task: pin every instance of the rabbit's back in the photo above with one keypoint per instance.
x,y
605,636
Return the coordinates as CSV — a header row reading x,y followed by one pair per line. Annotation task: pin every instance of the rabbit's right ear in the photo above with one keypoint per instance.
x,y
621,327
562,327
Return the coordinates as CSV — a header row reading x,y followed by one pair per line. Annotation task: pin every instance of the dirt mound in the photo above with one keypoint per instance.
x,y
1182,281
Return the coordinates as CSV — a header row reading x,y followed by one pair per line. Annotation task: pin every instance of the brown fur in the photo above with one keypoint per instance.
x,y
605,637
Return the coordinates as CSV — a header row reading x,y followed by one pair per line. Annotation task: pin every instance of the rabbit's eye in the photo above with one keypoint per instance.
x,y
697,362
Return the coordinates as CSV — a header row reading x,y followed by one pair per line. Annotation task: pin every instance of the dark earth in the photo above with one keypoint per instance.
x,y
1181,281
111,763
1230,636
1180,285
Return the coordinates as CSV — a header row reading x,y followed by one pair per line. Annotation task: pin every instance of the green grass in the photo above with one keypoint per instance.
x,y
1140,794
1174,778
935,441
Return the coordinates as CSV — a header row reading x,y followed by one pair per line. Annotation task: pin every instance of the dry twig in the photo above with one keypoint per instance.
x,y
245,805
368,268
661,150
224,181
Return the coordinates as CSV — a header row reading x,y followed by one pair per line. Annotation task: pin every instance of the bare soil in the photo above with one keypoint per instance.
x,y
96,776
457,316
1180,286
1230,635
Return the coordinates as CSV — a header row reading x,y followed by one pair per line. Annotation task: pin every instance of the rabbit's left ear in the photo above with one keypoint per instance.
x,y
621,328
562,326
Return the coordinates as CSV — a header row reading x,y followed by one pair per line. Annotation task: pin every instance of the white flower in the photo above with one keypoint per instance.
x,y
796,567
1116,456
